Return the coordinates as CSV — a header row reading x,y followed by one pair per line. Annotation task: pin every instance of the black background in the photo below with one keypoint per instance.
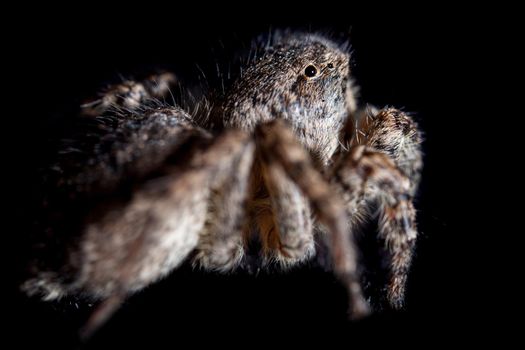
x,y
424,66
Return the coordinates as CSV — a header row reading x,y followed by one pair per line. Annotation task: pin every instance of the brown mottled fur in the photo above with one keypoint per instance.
x,y
395,134
154,185
130,94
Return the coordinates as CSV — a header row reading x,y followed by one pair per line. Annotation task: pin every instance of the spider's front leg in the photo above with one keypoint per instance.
x,y
220,244
283,154
283,216
384,166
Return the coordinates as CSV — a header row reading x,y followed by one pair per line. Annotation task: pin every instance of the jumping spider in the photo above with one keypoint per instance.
x,y
284,157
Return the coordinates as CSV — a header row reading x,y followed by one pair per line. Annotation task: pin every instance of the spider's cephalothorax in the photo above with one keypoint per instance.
x,y
143,186
301,78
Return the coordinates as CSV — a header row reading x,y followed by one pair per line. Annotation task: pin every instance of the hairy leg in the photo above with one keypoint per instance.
x,y
164,212
130,95
142,190
395,134
279,147
286,227
157,230
220,245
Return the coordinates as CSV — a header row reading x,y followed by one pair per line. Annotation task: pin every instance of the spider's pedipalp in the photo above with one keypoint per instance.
x,y
279,145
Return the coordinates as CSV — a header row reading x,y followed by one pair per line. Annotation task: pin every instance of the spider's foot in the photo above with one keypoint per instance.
x,y
396,292
223,258
359,307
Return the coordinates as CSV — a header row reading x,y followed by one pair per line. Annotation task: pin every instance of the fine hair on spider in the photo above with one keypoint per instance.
x,y
281,153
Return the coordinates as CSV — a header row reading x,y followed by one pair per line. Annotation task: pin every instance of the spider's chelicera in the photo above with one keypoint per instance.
x,y
284,157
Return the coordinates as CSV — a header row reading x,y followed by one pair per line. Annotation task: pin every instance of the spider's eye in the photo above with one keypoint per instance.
x,y
330,66
310,71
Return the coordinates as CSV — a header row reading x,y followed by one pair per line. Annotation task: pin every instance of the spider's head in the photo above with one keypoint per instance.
x,y
302,78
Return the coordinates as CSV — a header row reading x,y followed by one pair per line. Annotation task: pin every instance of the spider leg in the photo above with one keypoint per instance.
x,y
220,245
136,193
130,95
133,244
396,135
279,147
397,226
284,218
